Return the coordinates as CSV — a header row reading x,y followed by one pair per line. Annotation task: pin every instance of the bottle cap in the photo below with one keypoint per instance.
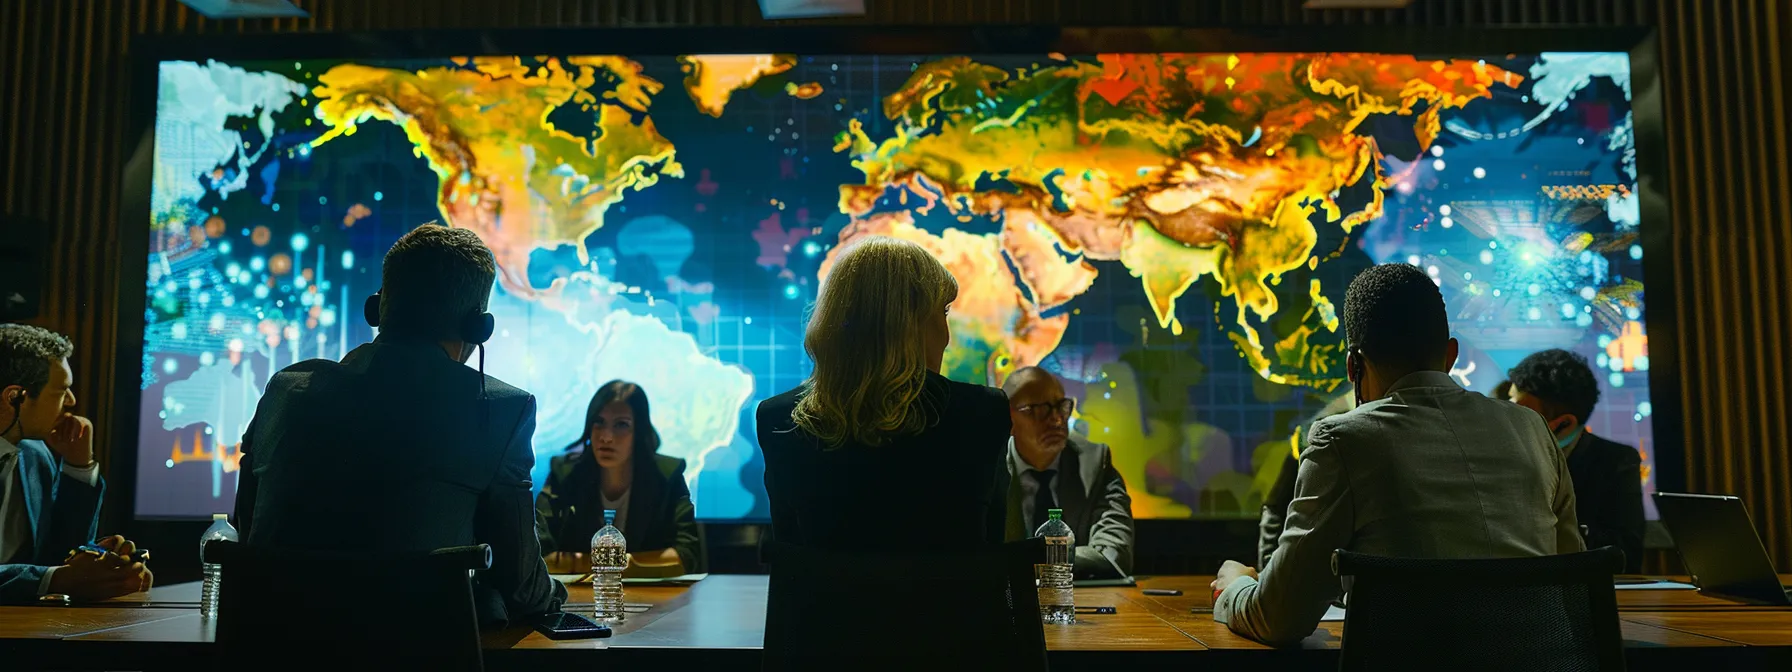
x,y
609,516
220,516
1054,514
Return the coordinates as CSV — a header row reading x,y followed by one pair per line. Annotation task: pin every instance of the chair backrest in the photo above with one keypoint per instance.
x,y
313,609
1554,612
975,609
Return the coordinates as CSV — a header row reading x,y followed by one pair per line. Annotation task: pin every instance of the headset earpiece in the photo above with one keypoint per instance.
x,y
371,310
477,328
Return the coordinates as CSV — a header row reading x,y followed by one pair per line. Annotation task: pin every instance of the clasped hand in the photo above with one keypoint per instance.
x,y
1230,572
91,576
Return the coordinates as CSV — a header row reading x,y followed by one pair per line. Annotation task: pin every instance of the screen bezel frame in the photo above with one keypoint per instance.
x,y
1640,43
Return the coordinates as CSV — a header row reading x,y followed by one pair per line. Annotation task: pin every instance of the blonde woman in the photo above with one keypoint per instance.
x,y
876,434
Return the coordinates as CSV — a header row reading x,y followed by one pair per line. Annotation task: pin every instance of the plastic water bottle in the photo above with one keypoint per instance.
x,y
221,530
1057,579
609,557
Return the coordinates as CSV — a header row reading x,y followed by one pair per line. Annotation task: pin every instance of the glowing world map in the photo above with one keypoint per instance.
x,y
1170,234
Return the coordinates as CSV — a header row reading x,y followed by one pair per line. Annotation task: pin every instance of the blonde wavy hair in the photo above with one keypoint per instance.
x,y
866,336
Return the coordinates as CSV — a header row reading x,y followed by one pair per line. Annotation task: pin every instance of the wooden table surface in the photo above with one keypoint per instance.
x,y
723,617
1648,618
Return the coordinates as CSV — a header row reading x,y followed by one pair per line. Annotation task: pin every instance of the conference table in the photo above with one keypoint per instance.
x,y
720,620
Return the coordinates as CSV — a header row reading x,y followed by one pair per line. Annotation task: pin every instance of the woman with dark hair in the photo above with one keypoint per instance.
x,y
615,465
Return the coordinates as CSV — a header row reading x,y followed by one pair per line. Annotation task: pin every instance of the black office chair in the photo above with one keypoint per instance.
x,y
1555,612
975,609
316,610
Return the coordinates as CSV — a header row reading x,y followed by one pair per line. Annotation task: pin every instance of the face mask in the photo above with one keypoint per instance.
x,y
1566,441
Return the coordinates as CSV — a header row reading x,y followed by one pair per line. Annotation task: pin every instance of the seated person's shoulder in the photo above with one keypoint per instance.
x,y
968,398
562,465
301,374
668,466
1611,450
498,390
1359,432
1087,449
774,412
1526,422
1343,427
1504,409
507,405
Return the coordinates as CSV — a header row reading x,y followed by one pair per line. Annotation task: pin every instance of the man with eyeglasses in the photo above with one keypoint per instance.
x,y
1048,469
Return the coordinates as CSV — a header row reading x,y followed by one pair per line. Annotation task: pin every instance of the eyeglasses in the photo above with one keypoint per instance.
x,y
1044,409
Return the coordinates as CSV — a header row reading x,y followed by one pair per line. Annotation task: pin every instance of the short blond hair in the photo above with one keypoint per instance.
x,y
865,336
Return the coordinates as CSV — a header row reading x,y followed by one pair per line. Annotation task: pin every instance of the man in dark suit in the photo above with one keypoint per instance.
x,y
1608,477
50,485
401,447
1049,470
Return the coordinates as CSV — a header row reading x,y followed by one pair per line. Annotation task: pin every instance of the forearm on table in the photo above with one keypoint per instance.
x,y
1100,562
658,558
22,583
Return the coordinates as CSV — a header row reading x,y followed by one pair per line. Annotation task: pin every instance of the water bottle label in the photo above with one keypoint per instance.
x,y
1057,541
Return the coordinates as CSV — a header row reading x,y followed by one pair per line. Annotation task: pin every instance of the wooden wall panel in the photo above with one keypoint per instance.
x,y
1725,74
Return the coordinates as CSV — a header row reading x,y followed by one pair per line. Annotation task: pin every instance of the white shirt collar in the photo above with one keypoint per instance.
x,y
7,447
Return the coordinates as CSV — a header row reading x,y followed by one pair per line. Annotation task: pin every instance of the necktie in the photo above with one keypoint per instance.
x,y
1043,500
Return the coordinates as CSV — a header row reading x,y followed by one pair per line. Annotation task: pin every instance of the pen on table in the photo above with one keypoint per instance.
x,y
1094,610
1166,592
140,555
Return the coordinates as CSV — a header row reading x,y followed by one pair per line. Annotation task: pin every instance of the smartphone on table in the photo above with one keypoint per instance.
x,y
561,625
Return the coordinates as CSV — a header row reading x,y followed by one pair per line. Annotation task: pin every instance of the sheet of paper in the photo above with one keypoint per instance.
x,y
1657,585
1332,613
1124,581
680,580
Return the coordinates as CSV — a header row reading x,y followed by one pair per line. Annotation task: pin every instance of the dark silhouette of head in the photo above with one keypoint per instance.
x,y
1396,323
1557,384
433,279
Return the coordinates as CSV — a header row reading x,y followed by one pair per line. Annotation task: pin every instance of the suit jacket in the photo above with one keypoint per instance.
x,y
1431,471
63,514
948,482
1275,508
1275,505
570,509
1095,504
1608,495
396,450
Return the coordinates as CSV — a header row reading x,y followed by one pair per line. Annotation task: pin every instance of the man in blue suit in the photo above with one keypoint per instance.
x,y
50,485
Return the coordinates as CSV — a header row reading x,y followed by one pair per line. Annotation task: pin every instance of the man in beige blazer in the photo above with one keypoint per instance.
x,y
1421,468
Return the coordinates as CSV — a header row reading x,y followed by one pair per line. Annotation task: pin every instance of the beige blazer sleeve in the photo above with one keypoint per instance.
x,y
1568,537
1285,604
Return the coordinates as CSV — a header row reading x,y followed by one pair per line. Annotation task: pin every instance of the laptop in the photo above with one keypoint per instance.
x,y
1719,546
